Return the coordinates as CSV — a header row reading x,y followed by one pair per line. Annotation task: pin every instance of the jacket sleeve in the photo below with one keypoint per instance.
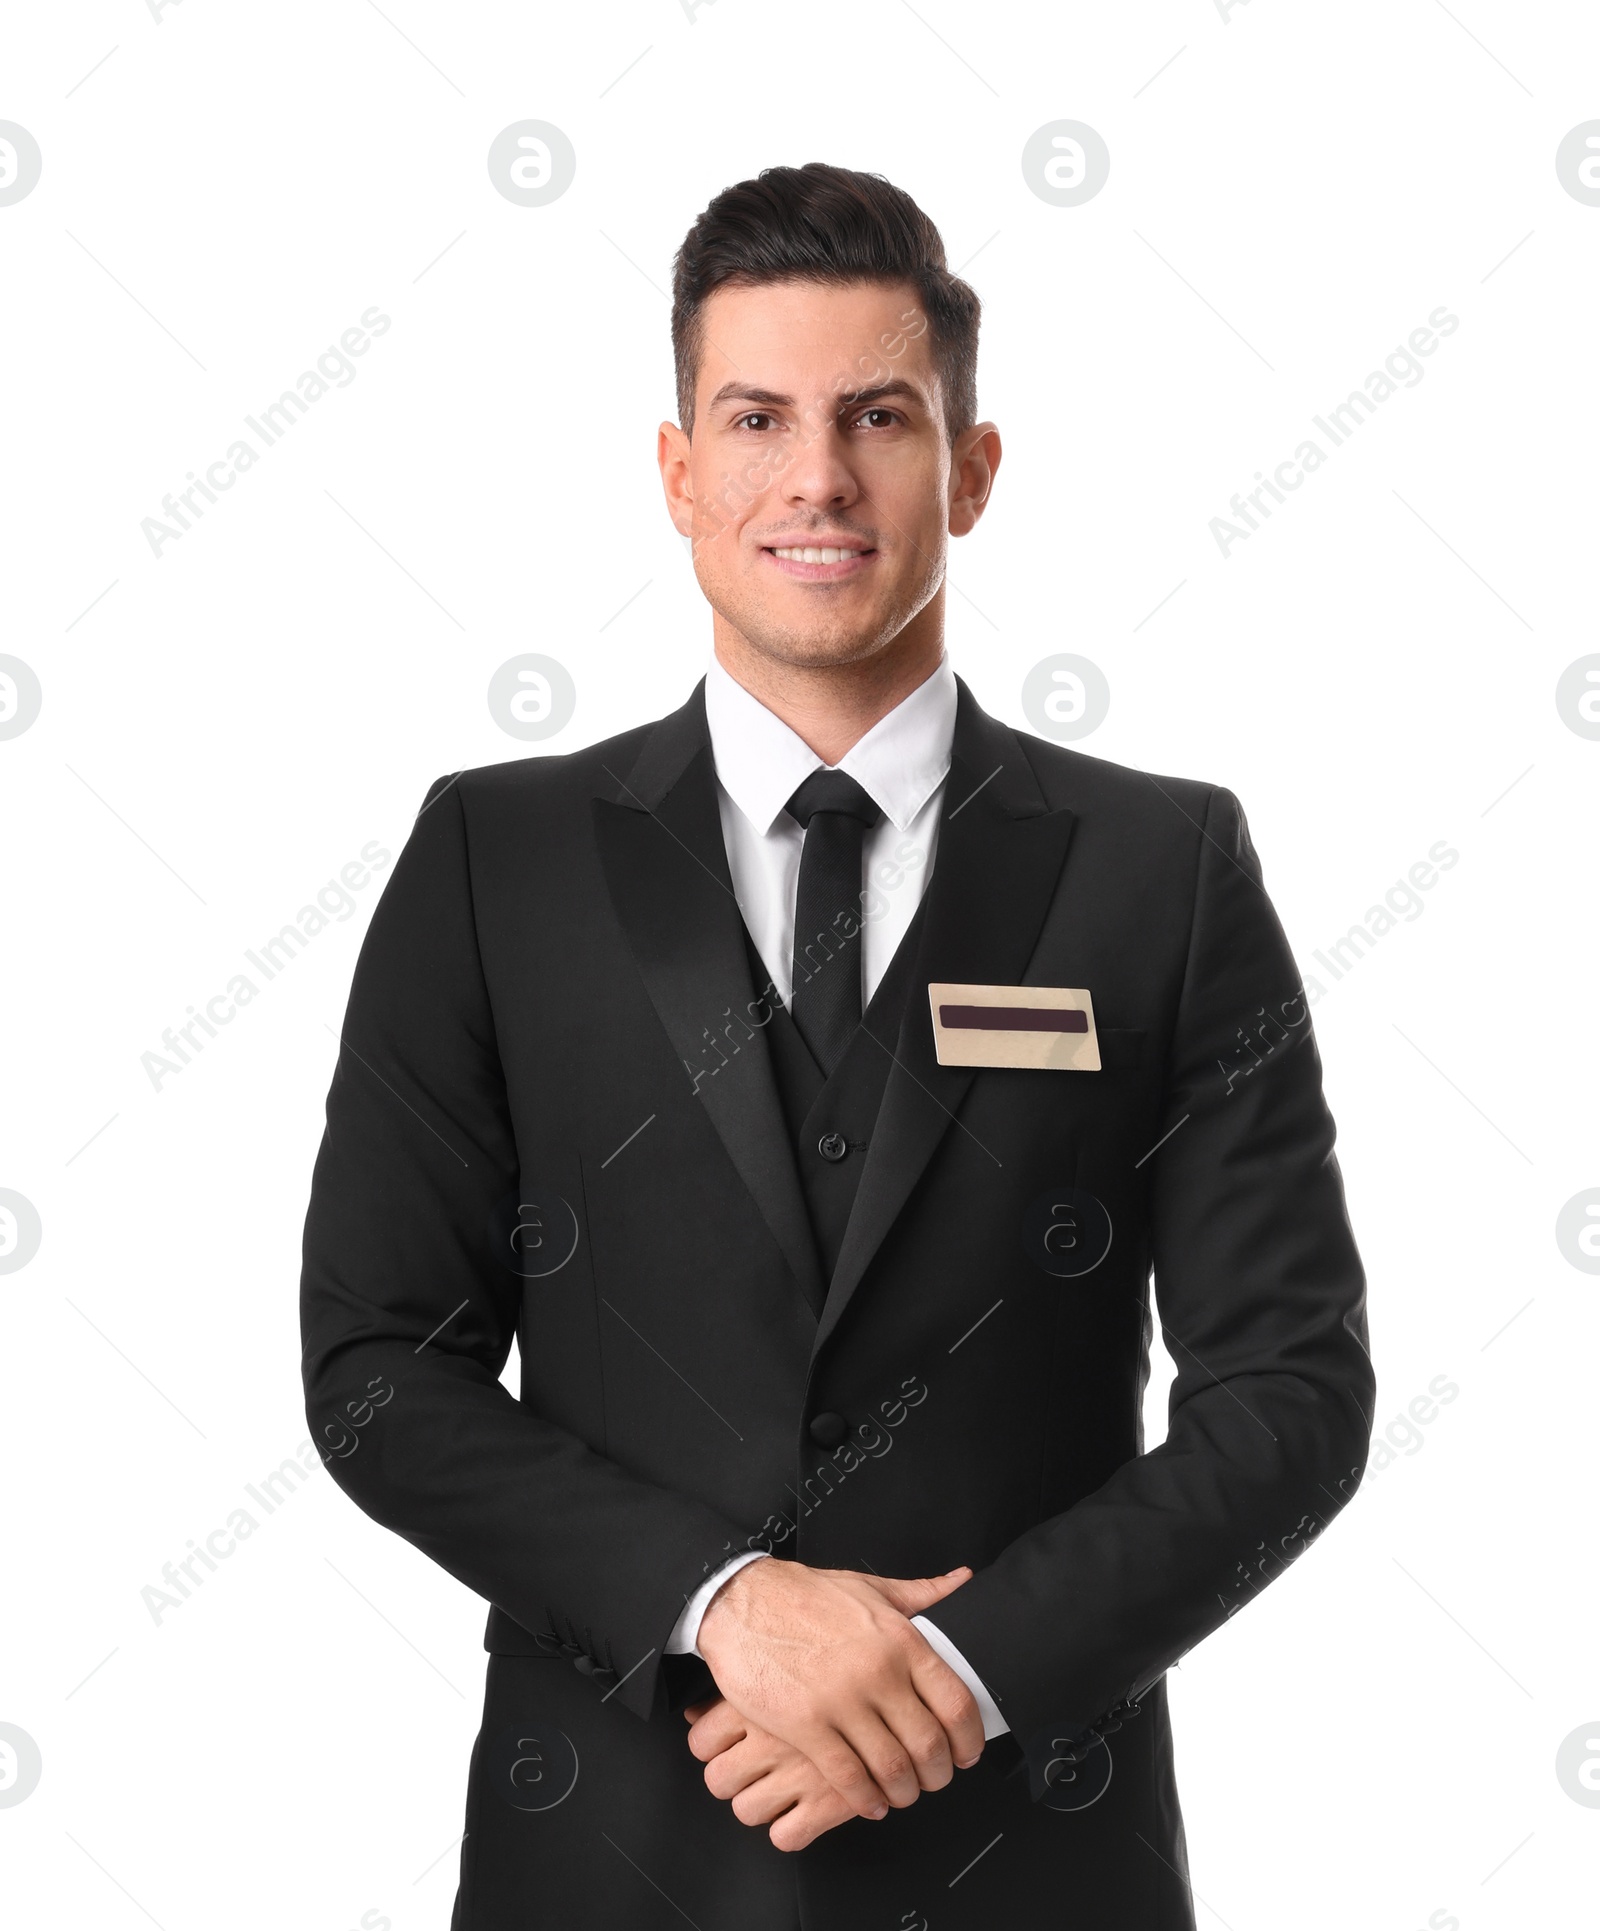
x,y
1261,1298
407,1315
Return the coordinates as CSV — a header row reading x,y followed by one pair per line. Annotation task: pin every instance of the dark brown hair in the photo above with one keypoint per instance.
x,y
824,224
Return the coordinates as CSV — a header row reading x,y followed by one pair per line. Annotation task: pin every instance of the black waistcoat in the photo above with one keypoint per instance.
x,y
831,1120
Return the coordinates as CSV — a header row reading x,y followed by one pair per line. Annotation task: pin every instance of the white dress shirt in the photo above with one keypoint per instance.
x,y
901,764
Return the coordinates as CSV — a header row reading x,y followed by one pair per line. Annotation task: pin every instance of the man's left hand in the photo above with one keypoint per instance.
x,y
766,1780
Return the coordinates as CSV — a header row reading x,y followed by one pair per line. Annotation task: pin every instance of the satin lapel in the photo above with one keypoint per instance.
x,y
999,856
661,847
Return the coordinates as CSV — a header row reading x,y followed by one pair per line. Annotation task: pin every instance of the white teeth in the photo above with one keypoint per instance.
x,y
825,555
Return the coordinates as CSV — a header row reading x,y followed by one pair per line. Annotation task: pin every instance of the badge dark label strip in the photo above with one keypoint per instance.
x,y
1015,1019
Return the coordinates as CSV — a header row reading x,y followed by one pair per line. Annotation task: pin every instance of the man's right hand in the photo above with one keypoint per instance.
x,y
827,1660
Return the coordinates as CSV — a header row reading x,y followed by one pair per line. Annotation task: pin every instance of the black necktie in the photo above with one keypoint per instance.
x,y
834,812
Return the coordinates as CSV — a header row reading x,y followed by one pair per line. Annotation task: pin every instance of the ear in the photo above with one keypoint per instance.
x,y
974,461
672,458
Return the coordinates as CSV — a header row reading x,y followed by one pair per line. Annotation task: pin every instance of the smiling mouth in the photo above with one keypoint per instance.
x,y
820,562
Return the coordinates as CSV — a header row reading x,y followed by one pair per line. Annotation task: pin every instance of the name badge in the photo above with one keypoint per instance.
x,y
1051,1027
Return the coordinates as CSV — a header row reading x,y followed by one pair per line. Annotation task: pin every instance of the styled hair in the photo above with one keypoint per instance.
x,y
819,223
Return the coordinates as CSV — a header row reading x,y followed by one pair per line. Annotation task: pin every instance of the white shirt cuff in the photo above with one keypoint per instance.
x,y
685,1636
994,1724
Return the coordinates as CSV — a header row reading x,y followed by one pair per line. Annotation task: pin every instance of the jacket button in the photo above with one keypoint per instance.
x,y
827,1430
584,1665
832,1146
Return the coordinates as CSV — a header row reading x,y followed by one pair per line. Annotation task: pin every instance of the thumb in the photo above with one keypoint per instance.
x,y
912,1595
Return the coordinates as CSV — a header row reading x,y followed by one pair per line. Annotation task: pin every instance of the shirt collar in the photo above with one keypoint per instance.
x,y
899,763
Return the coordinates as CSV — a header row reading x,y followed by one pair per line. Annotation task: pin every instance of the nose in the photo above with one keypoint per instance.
x,y
820,475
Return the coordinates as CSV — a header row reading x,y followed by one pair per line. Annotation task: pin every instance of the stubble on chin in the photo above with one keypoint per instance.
x,y
824,642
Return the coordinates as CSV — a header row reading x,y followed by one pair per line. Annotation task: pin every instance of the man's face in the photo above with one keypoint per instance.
x,y
819,428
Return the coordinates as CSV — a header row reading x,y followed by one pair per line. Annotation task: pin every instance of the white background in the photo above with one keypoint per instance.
x,y
1373,1740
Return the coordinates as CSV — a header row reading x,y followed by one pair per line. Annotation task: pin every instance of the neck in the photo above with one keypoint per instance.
x,y
832,706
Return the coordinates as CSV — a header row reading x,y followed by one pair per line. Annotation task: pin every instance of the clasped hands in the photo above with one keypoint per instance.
x,y
833,1706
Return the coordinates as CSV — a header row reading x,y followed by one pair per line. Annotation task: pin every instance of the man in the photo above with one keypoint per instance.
x,y
810,1082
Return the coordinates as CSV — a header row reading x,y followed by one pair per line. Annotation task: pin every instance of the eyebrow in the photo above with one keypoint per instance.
x,y
772,399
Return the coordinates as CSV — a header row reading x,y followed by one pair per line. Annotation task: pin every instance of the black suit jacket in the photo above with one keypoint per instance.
x,y
554,1119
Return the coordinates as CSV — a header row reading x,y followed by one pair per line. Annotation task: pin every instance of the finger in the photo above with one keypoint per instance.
x,y
928,1743
767,1798
694,1711
913,1595
919,1740
952,1704
795,1795
719,1729
843,1769
747,1763
889,1758
809,1820
762,1802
